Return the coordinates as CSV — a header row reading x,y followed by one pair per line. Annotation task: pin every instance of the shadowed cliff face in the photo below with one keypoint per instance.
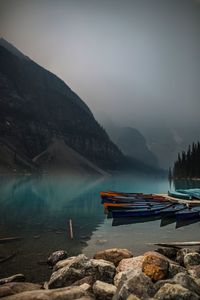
x,y
36,106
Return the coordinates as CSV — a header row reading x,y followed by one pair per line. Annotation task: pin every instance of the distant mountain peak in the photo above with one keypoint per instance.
x,y
4,43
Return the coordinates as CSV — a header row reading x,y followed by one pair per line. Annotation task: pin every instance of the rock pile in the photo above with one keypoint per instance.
x,y
113,274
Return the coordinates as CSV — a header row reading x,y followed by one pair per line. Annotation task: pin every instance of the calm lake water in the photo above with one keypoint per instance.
x,y
38,209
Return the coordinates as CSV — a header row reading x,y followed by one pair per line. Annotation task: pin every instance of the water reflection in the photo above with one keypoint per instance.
x,y
39,208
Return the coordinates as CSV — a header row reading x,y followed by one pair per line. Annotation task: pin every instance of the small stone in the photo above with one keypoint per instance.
x,y
104,291
101,242
16,278
175,292
181,253
63,263
114,255
155,267
117,278
191,259
56,256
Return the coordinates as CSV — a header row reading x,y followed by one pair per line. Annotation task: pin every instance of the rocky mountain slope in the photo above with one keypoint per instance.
x,y
36,107
132,143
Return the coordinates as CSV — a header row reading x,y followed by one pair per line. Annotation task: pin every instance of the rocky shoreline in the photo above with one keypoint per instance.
x,y
166,273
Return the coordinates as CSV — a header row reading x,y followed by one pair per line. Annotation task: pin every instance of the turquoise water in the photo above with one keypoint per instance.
x,y
38,210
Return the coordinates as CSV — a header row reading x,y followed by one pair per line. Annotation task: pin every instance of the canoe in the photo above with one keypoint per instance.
x,y
110,207
194,193
179,195
129,196
122,199
187,214
139,212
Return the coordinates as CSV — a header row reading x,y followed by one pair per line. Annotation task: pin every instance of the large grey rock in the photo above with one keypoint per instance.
x,y
175,292
80,267
181,253
191,259
134,282
103,290
103,270
73,271
13,278
168,252
12,288
57,256
130,264
114,255
69,293
175,269
187,282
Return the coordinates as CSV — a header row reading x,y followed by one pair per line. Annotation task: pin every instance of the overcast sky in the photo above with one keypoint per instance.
x,y
137,61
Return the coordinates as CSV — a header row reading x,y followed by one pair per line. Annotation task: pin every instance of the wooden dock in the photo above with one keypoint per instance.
x,y
192,202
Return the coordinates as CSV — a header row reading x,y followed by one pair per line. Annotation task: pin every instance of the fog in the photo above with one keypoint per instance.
x,y
136,62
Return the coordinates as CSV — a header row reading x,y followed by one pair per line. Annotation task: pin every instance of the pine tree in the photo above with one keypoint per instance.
x,y
187,164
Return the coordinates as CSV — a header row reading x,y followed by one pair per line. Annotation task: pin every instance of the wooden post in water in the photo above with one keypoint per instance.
x,y
71,229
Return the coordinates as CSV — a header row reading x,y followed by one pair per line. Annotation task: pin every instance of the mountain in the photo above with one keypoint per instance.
x,y
167,142
132,143
36,107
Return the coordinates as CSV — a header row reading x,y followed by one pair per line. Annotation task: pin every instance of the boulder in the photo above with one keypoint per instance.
x,y
57,256
175,292
88,279
155,266
13,288
161,283
135,283
194,271
130,263
63,263
103,290
117,278
187,282
191,259
168,252
175,269
132,297
103,270
80,267
181,253
114,255
13,278
69,293
73,271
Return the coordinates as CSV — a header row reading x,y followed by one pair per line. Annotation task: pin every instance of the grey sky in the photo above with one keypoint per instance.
x,y
137,61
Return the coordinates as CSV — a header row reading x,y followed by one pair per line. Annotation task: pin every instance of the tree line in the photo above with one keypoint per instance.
x,y
187,164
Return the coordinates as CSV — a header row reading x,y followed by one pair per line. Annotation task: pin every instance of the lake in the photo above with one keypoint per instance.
x,y
38,210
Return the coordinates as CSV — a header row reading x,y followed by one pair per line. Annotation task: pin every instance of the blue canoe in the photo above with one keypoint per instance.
x,y
141,212
193,193
187,214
